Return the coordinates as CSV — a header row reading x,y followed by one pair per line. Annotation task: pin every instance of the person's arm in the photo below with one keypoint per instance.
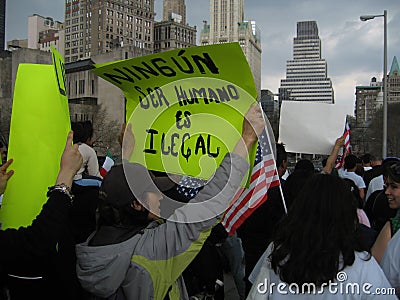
x,y
362,193
71,161
253,125
191,224
331,161
379,247
127,141
25,244
390,263
361,187
379,287
218,193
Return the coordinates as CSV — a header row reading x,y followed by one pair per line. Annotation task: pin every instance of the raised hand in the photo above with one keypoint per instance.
x,y
253,125
71,161
128,142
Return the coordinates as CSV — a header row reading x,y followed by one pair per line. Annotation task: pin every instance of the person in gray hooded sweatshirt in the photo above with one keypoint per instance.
x,y
134,254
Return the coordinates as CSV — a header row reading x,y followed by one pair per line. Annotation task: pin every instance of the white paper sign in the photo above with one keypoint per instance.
x,y
307,127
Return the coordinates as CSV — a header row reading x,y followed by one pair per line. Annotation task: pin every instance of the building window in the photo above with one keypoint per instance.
x,y
81,86
92,87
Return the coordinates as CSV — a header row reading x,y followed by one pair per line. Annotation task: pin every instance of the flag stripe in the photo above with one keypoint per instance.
x,y
346,147
246,211
256,185
246,201
235,225
107,165
253,185
256,182
250,202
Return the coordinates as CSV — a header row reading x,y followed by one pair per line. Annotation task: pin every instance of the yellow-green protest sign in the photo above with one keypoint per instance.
x,y
186,106
59,69
38,130
138,77
187,126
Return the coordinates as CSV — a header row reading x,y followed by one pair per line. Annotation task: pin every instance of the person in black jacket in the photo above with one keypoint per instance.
x,y
24,248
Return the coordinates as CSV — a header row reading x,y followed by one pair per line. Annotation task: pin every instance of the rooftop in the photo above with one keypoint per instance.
x,y
79,65
395,67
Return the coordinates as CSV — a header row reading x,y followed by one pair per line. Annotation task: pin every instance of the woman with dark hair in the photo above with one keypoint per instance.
x,y
392,192
315,246
294,183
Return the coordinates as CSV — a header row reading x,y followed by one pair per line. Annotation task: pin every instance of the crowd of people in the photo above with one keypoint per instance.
x,y
138,234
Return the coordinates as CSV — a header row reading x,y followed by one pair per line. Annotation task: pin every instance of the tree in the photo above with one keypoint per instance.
x,y
373,134
393,142
105,133
5,117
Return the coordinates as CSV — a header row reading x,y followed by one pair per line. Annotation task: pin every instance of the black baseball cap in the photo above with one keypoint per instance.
x,y
131,181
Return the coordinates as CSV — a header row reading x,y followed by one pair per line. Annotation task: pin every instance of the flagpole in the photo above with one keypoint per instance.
x,y
272,152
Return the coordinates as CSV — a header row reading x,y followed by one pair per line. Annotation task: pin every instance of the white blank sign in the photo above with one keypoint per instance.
x,y
307,127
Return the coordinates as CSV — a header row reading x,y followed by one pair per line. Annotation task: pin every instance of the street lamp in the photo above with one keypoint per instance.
x,y
366,18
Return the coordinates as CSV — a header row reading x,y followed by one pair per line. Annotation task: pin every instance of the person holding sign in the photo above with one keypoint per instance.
x,y
20,249
132,257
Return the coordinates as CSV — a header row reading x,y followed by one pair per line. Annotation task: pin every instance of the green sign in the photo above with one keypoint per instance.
x,y
186,106
138,77
187,127
38,130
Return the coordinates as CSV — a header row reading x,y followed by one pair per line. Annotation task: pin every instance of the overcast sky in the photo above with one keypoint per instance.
x,y
352,49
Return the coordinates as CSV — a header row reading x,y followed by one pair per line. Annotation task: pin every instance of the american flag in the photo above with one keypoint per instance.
x,y
247,200
190,186
346,147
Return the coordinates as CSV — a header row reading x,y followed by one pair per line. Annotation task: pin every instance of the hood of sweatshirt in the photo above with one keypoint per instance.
x,y
102,269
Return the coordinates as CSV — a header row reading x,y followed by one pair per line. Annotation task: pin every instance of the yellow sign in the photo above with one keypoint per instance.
x,y
186,106
38,130
139,77
59,69
188,126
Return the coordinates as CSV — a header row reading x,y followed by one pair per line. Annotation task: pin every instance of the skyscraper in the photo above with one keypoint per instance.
x,y
2,23
306,75
173,32
174,9
96,27
227,25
